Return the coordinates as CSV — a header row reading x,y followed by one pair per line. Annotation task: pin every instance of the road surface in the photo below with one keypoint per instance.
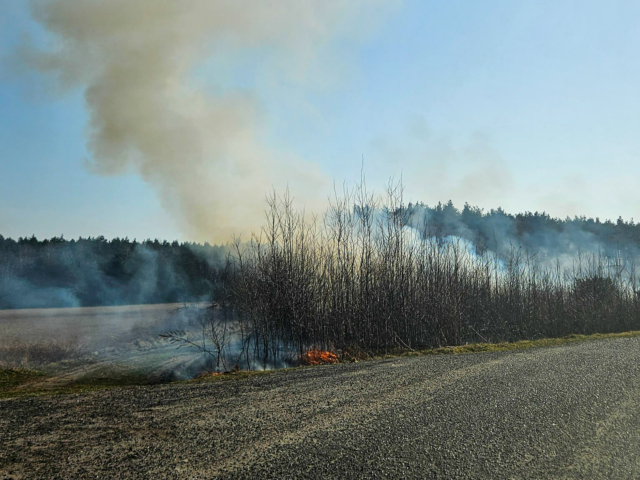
x,y
563,412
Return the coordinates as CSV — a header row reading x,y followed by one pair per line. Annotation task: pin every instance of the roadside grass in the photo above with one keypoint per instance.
x,y
21,382
236,375
522,344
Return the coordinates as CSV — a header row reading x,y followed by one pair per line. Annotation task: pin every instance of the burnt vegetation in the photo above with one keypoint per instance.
x,y
372,275
367,278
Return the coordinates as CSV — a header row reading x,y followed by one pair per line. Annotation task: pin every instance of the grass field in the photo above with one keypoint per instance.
x,y
93,325
96,345
98,375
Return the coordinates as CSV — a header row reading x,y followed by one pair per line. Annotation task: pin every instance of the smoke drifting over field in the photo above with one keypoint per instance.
x,y
72,343
207,155
398,276
59,273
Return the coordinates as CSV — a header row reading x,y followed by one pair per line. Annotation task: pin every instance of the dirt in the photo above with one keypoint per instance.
x,y
561,412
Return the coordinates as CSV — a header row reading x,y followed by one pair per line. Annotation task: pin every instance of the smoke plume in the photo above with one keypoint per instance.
x,y
204,148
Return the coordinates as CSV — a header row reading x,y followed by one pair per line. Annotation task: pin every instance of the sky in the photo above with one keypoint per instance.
x,y
528,106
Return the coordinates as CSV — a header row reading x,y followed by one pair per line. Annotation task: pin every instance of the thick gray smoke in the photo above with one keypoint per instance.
x,y
207,155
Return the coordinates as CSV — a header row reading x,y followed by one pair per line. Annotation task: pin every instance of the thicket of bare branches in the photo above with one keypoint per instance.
x,y
357,279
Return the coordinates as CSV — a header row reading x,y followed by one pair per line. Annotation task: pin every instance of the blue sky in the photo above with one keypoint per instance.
x,y
524,105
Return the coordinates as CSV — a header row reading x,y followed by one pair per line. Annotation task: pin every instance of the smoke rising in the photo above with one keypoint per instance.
x,y
550,241
206,154
437,166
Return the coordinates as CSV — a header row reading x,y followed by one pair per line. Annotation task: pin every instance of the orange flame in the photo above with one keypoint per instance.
x,y
318,357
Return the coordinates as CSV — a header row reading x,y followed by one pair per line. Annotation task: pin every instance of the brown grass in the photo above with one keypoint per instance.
x,y
519,345
17,353
19,382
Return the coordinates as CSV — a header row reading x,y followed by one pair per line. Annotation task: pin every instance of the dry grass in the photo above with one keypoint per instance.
x,y
519,345
19,382
22,382
14,377
15,353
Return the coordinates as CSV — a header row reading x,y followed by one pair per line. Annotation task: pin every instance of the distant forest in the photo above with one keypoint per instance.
x,y
95,271
537,234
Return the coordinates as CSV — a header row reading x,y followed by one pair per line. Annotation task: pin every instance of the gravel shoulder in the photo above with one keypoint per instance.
x,y
564,412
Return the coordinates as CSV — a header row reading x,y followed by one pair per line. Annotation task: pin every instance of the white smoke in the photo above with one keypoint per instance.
x,y
207,155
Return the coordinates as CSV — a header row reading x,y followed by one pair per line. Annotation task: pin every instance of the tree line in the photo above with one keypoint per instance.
x,y
537,232
57,272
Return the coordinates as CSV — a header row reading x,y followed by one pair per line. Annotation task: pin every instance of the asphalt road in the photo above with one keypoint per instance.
x,y
562,412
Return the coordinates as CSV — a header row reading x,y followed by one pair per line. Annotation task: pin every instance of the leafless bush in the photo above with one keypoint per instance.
x,y
359,280
212,339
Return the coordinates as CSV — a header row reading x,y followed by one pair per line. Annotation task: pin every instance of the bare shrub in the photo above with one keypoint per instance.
x,y
213,338
358,280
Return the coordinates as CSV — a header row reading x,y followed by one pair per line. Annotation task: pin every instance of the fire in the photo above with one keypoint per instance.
x,y
318,357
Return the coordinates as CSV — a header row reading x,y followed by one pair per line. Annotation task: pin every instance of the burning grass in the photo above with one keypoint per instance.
x,y
20,382
318,357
